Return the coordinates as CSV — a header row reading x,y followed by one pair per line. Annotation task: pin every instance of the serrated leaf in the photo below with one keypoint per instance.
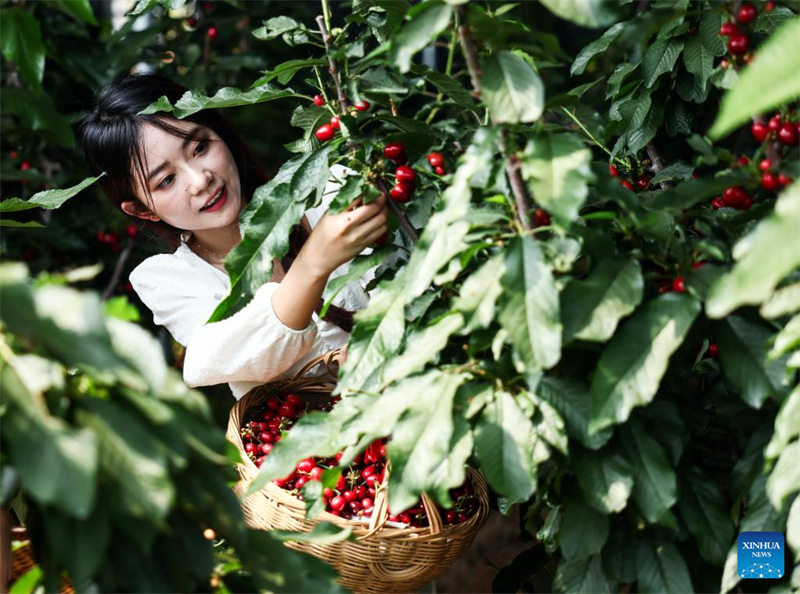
x,y
573,402
709,33
605,477
556,167
743,347
512,89
638,138
661,568
193,101
21,43
763,258
48,199
446,85
285,72
502,436
699,60
660,57
588,13
764,83
584,530
479,293
704,510
426,22
598,46
592,308
632,364
529,311
675,171
787,425
655,490
784,480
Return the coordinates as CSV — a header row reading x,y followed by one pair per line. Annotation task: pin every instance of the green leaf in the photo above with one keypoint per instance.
x,y
743,347
699,59
788,339
478,295
529,312
422,347
661,568
709,33
322,534
285,72
592,308
655,489
770,22
573,402
357,269
676,171
426,22
421,441
21,43
598,46
632,364
784,479
502,437
556,167
605,477
763,84
81,544
787,425
194,101
309,119
639,137
512,89
784,301
48,199
587,13
38,113
763,258
693,191
447,85
28,224
660,57
704,510
793,529
584,530
81,10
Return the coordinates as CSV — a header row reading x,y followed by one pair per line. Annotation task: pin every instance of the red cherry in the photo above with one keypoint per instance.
x,y
440,170
712,351
128,287
324,132
192,22
266,448
769,181
249,448
212,32
266,437
306,465
133,231
746,203
287,410
734,196
728,29
717,203
319,100
743,161
338,503
628,186
334,123
541,218
13,154
316,473
260,461
724,63
612,171
699,264
25,166
769,6
784,180
788,134
678,285
273,403
394,150
643,182
436,159
294,400
362,105
328,492
765,165
747,13
664,287
760,131
775,122
400,194
737,44
405,174
301,481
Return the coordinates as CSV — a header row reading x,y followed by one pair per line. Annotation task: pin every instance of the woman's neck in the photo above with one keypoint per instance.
x,y
217,241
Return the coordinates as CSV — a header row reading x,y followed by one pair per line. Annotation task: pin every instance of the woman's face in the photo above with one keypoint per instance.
x,y
184,176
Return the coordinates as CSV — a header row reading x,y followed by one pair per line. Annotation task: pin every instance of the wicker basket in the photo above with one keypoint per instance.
x,y
382,558
22,560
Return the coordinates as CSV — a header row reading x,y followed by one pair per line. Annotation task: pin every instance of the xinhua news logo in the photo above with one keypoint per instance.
x,y
761,555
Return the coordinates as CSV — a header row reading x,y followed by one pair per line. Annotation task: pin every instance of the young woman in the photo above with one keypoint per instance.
x,y
186,182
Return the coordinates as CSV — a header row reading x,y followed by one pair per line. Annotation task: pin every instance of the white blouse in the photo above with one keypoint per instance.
x,y
253,346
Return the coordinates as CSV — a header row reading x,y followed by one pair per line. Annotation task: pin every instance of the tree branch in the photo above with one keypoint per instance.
x,y
398,212
332,66
657,163
126,252
521,197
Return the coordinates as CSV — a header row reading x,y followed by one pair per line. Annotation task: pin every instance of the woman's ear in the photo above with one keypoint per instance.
x,y
132,208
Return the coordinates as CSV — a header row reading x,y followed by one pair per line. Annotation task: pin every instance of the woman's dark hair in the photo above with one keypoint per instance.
x,y
111,139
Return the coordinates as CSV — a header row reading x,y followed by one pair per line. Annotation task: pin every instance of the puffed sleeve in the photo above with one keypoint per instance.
x,y
253,345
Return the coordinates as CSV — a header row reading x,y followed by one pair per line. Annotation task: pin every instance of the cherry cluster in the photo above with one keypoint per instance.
x,y
327,131
353,496
437,162
641,183
405,176
738,41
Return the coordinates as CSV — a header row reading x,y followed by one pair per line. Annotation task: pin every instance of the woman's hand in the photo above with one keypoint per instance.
x,y
338,238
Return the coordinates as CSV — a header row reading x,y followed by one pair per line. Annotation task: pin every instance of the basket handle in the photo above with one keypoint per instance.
x,y
327,358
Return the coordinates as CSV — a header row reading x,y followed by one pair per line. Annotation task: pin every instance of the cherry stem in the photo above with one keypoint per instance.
x,y
123,257
332,66
523,200
398,212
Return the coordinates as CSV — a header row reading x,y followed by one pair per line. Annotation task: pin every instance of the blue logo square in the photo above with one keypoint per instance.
x,y
761,555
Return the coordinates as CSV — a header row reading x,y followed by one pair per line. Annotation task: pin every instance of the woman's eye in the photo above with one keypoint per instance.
x,y
162,184
202,144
